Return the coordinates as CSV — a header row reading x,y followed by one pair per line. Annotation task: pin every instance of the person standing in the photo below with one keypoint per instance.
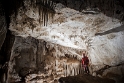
x,y
85,63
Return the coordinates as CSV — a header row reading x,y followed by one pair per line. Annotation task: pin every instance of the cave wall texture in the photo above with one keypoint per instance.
x,y
2,26
43,53
32,59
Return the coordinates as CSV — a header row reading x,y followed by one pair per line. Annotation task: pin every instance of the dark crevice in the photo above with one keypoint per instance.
x,y
5,53
117,29
7,46
100,71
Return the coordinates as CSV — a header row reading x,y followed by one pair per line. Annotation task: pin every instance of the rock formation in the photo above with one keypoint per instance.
x,y
45,46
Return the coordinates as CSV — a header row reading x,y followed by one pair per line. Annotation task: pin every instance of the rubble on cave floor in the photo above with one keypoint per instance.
x,y
85,78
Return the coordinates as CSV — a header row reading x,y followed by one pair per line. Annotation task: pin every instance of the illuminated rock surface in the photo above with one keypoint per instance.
x,y
43,54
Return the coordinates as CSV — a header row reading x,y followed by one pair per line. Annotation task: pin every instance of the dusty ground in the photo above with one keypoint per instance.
x,y
85,79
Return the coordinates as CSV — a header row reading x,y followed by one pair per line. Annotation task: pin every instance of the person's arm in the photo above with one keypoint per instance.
x,y
82,61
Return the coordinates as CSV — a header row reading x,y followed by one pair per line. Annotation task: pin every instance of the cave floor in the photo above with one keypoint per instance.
x,y
85,79
82,78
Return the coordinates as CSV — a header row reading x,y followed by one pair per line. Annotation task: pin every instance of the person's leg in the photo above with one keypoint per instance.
x,y
87,70
82,69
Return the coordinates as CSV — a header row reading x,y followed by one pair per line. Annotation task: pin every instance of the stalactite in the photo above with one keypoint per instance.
x,y
44,6
67,66
47,7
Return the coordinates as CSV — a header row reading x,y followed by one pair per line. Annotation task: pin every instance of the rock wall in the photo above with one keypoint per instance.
x,y
36,60
45,53
41,61
3,25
